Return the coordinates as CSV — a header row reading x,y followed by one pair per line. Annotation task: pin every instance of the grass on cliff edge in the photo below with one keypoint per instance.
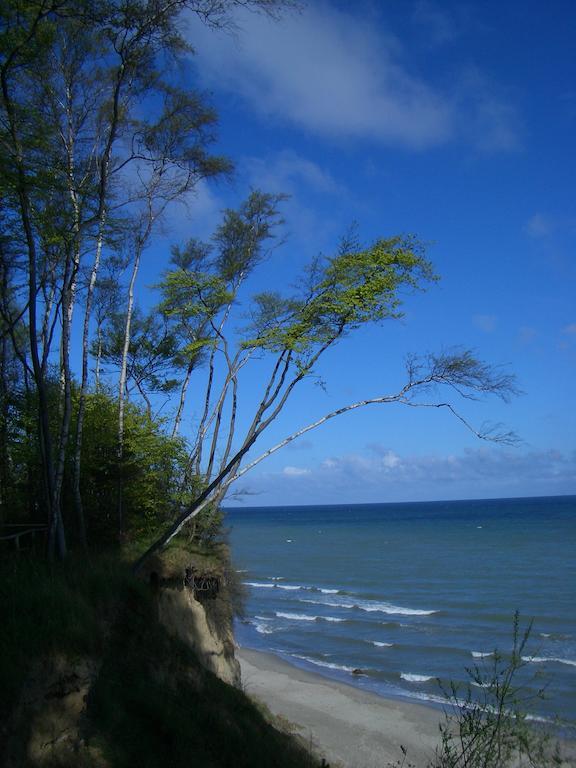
x,y
152,704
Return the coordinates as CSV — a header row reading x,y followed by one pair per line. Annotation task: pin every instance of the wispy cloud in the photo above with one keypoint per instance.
x,y
486,323
539,225
439,25
328,71
484,114
382,474
340,74
302,180
542,225
198,213
295,472
286,171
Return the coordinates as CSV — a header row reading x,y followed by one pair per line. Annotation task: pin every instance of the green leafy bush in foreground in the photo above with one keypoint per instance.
x,y
487,723
492,730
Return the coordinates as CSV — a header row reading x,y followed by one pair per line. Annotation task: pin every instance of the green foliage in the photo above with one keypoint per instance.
x,y
151,353
22,490
151,470
489,726
241,237
352,288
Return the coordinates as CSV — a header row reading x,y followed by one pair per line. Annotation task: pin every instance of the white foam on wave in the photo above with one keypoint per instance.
x,y
290,587
481,654
412,678
396,609
371,607
263,628
332,604
263,585
327,664
545,659
302,617
382,645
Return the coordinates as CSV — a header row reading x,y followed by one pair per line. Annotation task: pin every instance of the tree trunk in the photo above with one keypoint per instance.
x,y
122,384
78,505
183,390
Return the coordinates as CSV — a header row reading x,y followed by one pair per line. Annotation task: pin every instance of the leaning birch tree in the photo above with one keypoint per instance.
x,y
337,296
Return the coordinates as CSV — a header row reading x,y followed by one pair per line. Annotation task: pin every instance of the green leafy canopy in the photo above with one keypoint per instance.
x,y
357,286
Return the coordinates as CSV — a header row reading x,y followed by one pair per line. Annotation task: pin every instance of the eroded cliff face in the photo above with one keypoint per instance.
x,y
47,727
192,622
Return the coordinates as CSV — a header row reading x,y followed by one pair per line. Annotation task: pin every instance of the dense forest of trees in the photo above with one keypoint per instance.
x,y
99,137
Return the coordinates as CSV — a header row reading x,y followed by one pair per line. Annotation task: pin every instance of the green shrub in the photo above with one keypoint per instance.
x,y
488,726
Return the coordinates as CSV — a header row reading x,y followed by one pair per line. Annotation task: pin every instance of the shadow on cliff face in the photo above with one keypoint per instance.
x,y
110,672
155,704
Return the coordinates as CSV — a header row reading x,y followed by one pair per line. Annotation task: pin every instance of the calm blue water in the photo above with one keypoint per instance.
x,y
413,593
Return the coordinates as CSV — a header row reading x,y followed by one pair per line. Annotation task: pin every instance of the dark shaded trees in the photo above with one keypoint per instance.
x,y
82,170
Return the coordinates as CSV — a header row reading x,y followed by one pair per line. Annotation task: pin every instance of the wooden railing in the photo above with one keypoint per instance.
x,y
29,529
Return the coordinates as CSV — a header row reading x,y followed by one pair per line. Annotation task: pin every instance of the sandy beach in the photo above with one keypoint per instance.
x,y
349,727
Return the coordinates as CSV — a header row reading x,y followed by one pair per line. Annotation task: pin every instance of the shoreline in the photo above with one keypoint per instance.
x,y
348,726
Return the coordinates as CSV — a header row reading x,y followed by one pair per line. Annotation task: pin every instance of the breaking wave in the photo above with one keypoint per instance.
x,y
303,617
326,664
370,606
545,659
412,678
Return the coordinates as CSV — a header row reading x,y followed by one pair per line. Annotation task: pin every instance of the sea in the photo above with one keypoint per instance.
x,y
406,600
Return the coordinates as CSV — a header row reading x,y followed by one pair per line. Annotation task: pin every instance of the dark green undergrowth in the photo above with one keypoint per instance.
x,y
63,608
152,704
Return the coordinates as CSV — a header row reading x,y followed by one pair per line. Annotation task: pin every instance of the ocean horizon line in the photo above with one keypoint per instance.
x,y
339,505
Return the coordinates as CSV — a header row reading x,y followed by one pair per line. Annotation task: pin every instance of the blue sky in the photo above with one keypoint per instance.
x,y
451,120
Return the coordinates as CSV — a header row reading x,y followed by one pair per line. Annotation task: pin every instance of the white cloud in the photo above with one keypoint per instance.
x,y
570,329
285,171
486,323
198,213
301,179
474,465
387,476
543,225
539,225
390,460
328,71
337,73
295,472
527,334
485,115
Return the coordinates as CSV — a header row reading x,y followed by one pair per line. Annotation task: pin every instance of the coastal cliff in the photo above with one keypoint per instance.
x,y
195,594
160,687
